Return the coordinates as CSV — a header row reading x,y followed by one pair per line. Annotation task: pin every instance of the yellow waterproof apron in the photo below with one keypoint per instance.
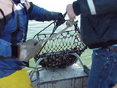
x,y
19,79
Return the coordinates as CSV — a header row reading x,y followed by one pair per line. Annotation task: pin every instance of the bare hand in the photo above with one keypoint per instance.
x,y
70,11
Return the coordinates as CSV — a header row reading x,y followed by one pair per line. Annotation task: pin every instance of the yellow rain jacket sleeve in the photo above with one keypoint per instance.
x,y
19,79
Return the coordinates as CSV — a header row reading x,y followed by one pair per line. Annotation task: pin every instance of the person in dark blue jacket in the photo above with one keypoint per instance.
x,y
99,33
14,49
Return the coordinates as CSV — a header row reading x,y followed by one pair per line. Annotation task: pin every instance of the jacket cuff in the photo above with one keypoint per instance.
x,y
76,7
14,51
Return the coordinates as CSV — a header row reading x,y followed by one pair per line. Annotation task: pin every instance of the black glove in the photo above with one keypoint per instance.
x,y
48,16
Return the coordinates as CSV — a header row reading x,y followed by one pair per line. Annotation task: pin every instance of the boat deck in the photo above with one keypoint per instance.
x,y
70,77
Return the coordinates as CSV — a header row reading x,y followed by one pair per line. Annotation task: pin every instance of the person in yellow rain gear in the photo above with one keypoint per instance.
x,y
15,51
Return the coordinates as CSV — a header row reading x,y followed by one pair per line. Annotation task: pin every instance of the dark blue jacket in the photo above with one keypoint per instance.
x,y
13,29
98,22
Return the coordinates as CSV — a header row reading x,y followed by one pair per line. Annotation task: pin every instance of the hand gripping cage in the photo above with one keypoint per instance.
x,y
58,52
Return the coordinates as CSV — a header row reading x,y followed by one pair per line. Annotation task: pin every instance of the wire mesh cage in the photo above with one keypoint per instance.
x,y
56,53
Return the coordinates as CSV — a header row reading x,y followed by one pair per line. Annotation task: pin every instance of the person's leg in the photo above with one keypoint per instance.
x,y
112,76
19,79
101,69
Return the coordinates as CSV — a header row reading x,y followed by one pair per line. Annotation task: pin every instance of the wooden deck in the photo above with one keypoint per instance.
x,y
71,77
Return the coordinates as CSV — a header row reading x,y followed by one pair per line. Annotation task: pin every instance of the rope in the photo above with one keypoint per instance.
x,y
54,29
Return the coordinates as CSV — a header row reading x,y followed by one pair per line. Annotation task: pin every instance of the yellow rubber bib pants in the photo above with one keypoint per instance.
x,y
19,79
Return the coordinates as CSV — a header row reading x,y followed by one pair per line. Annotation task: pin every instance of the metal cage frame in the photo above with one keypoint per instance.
x,y
66,46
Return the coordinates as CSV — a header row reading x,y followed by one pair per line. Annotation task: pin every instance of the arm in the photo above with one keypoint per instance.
x,y
40,14
94,7
35,12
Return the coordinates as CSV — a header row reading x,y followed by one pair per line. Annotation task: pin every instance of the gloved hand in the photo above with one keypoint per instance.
x,y
28,49
48,16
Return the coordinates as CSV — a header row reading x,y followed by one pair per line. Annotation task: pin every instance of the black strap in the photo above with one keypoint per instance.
x,y
5,19
3,15
3,22
2,57
15,33
26,10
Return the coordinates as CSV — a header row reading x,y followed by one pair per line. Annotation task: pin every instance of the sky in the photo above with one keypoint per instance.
x,y
53,5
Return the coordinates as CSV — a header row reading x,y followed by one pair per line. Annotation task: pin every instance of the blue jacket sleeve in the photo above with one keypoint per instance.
x,y
36,12
94,7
